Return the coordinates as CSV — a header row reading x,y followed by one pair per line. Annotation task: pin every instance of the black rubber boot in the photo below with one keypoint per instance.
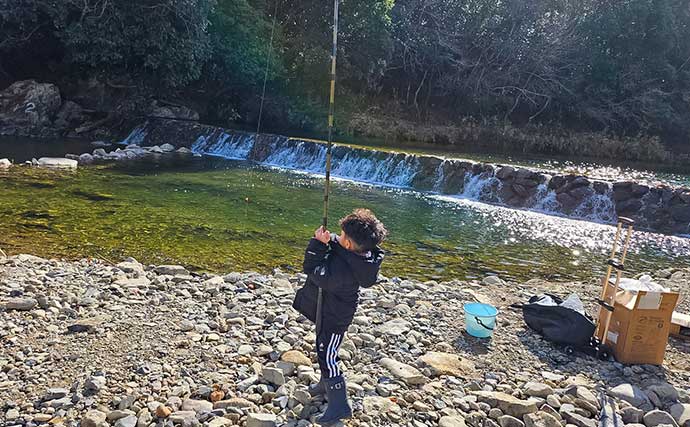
x,y
338,406
317,390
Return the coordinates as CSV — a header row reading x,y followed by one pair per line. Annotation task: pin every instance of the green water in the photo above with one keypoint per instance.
x,y
212,214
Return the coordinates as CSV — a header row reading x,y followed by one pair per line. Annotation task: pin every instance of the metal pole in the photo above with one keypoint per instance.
x,y
268,65
327,188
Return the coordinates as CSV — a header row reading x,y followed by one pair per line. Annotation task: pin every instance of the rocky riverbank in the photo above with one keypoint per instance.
x,y
129,345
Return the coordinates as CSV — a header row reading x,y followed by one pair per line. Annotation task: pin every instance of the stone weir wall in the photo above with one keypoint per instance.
x,y
658,208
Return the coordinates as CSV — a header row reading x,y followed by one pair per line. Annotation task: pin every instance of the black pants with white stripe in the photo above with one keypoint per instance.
x,y
327,346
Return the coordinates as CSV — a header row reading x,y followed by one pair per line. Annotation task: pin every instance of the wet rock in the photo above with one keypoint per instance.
x,y
5,163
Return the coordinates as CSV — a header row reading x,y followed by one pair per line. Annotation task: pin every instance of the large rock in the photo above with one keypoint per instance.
x,y
536,389
57,163
5,163
21,304
657,418
197,405
681,413
28,108
409,374
510,405
94,419
541,419
377,406
394,327
448,364
664,392
296,357
451,421
273,375
633,395
261,420
510,421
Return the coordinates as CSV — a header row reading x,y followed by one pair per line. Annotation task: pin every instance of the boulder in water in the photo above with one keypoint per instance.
x,y
57,163
28,108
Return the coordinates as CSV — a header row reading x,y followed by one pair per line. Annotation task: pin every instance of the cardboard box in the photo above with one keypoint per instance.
x,y
680,325
640,326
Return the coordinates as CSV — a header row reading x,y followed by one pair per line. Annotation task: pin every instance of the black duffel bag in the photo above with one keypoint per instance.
x,y
557,323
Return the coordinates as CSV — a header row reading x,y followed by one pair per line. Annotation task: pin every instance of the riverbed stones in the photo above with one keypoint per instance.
x,y
168,358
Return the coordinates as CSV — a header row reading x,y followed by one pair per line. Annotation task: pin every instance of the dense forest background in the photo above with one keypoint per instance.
x,y
431,70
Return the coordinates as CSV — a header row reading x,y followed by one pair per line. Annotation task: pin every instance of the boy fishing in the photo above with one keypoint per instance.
x,y
339,266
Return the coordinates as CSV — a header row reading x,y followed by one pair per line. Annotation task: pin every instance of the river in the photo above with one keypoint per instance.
x,y
217,214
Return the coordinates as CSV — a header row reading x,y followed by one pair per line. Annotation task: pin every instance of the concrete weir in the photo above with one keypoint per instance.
x,y
659,208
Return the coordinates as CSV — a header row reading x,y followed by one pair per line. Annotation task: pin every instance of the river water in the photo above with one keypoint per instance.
x,y
217,214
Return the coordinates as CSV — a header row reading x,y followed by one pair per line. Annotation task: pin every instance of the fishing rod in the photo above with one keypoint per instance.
x,y
327,187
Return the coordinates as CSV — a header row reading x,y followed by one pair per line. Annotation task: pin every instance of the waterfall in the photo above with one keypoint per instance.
x,y
235,146
597,207
545,200
136,136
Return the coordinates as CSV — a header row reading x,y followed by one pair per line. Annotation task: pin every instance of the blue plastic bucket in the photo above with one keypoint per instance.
x,y
480,319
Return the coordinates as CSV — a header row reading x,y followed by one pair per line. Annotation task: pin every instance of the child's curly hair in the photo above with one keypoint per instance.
x,y
364,229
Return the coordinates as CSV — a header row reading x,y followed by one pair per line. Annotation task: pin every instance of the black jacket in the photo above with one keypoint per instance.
x,y
340,273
